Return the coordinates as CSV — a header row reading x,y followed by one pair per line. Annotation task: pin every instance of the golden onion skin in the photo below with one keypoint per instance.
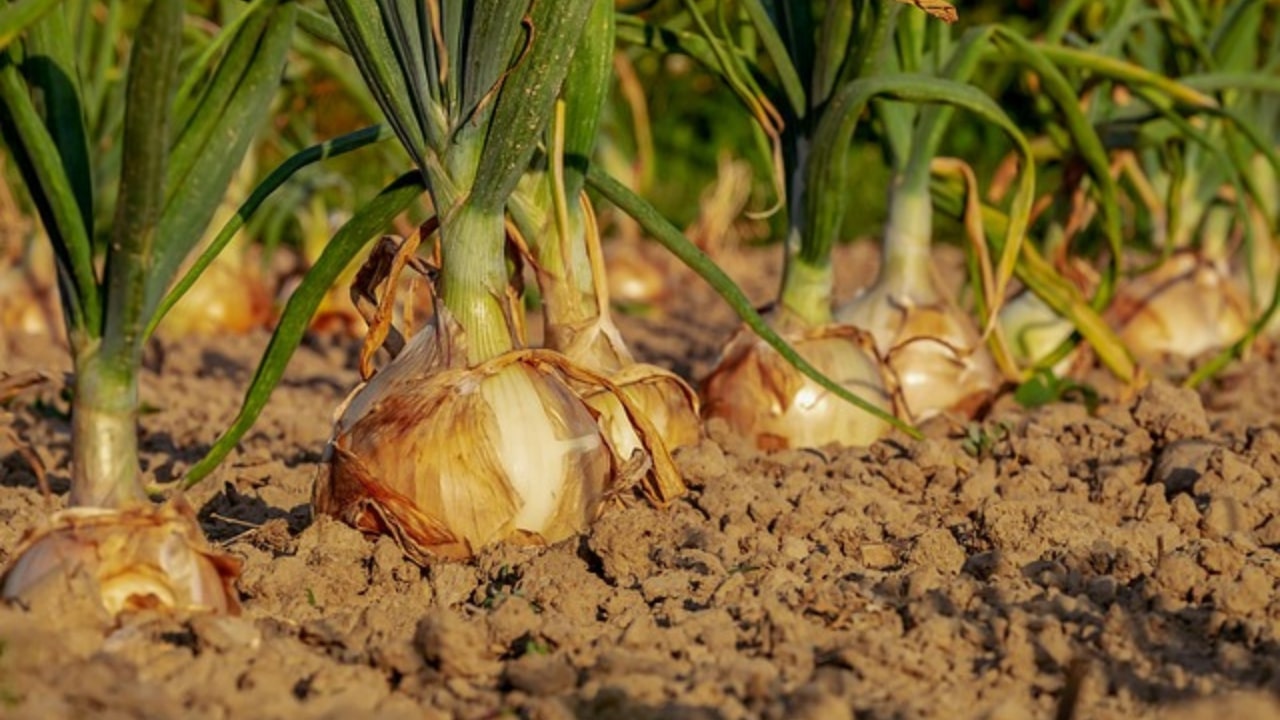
x,y
1185,307
633,277
230,297
450,461
931,349
667,400
765,399
141,557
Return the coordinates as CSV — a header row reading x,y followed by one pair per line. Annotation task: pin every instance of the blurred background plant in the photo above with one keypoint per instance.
x,y
1152,122
186,124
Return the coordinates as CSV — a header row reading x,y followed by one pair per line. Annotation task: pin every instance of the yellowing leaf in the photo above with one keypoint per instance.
x,y
944,11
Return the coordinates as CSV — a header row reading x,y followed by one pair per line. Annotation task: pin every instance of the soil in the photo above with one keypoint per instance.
x,y
1056,562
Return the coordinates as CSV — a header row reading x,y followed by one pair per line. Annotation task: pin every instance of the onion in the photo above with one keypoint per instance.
x,y
931,349
1034,330
594,342
449,459
1184,307
634,277
662,396
765,399
136,558
230,297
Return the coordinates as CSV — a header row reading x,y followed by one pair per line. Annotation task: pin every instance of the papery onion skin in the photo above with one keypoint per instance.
x,y
931,349
451,460
940,365
669,403
633,277
230,297
137,558
765,399
1185,307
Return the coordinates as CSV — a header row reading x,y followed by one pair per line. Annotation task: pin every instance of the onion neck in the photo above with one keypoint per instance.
x,y
807,276
104,429
906,249
473,280
569,299
806,290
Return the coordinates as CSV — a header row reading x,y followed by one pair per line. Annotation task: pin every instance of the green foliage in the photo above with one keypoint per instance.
x,y
980,440
1044,387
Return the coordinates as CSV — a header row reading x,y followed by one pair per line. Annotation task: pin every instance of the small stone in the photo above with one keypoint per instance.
x,y
455,646
878,556
1222,517
223,633
1181,463
794,548
938,549
541,675
1170,413
1221,559
1250,593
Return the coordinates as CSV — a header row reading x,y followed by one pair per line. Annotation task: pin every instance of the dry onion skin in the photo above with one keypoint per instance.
x,y
633,276
662,396
230,297
138,558
594,342
764,398
931,349
448,459
1185,307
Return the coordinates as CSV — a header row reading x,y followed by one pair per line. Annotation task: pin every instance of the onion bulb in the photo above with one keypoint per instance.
x,y
662,396
448,459
1034,330
930,348
634,277
132,559
231,296
583,330
765,399
1184,307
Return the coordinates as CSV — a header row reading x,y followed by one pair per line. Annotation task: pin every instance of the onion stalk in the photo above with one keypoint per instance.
x,y
172,179
469,437
569,263
930,345
1184,77
755,391
827,71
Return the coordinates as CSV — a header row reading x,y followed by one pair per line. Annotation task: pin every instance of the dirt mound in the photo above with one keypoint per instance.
x,y
1121,563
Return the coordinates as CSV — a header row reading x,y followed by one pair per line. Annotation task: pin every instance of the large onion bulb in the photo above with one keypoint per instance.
x,y
931,348
764,398
448,459
1185,307
136,558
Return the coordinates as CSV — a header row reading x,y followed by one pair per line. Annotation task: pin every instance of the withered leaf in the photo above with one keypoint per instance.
x,y
944,11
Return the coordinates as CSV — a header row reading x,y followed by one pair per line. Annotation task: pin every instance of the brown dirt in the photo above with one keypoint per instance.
x,y
1123,563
